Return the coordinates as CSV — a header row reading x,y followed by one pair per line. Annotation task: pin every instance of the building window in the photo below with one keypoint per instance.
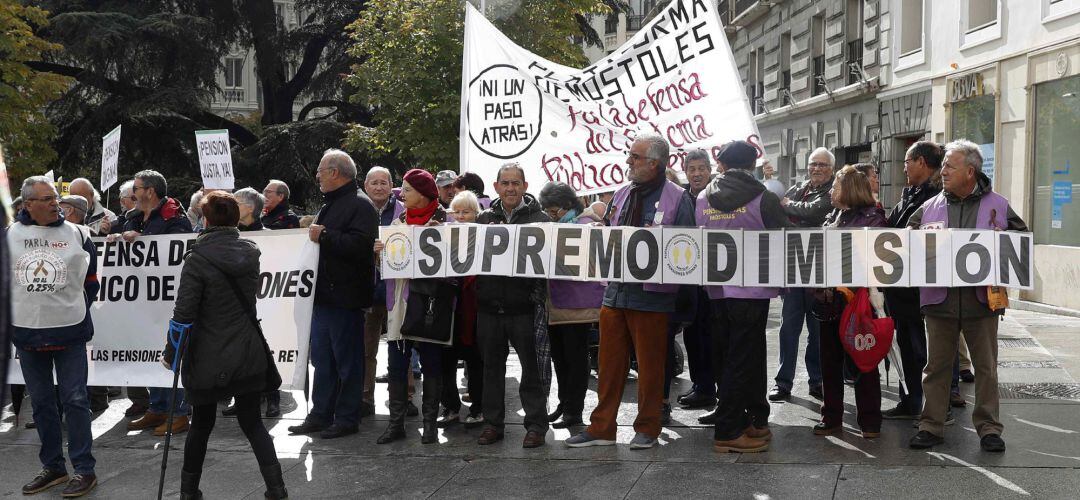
x,y
1053,10
981,13
756,87
611,24
817,53
854,37
911,26
1056,218
973,119
785,69
234,72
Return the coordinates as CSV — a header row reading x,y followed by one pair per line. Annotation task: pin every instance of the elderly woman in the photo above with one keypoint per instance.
x,y
573,307
463,208
855,207
421,200
226,354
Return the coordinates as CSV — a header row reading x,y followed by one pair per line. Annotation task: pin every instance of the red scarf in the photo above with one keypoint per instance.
x,y
420,216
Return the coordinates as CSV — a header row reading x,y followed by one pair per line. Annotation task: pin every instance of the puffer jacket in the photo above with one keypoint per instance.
x,y
225,355
503,294
808,205
169,217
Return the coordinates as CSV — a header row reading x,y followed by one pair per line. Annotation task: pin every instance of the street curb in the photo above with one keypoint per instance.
x,y
1039,307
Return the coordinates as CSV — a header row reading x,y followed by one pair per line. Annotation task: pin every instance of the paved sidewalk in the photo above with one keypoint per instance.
x,y
1039,366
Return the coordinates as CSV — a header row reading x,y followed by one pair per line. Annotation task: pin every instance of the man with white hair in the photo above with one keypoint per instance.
x,y
379,186
806,204
966,202
345,231
276,213
98,218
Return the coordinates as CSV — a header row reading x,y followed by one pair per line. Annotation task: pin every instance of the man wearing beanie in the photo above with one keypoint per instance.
x,y
736,200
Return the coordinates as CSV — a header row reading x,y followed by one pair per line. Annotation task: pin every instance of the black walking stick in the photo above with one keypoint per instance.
x,y
179,340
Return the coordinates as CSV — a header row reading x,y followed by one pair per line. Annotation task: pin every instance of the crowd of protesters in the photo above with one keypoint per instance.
x,y
477,319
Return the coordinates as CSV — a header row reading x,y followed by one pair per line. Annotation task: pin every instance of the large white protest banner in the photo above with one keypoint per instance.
x,y
139,282
676,77
110,156
215,158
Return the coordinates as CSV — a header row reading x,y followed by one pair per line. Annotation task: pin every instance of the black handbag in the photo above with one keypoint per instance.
x,y
272,376
429,311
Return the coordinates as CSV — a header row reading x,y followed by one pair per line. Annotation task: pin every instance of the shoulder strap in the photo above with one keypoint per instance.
x,y
248,309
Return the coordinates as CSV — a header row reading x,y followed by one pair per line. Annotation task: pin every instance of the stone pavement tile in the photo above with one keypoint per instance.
x,y
543,479
955,480
337,476
701,480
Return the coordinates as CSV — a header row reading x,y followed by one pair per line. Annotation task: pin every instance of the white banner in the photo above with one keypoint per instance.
x,y
215,158
697,256
110,155
139,282
676,77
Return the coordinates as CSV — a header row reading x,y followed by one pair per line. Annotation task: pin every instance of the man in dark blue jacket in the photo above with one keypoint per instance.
x,y
54,280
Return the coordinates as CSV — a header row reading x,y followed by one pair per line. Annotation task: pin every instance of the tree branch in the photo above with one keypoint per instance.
x,y
324,103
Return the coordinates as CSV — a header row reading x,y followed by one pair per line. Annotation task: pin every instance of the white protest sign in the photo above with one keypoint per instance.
x,y
532,254
1015,265
497,250
140,282
398,251
605,254
887,257
641,255
676,77
682,255
764,252
569,252
974,260
215,158
805,258
930,258
723,257
110,156
463,240
430,259
846,265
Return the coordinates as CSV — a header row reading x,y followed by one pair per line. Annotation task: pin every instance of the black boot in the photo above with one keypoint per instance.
x,y
189,485
399,400
273,404
275,484
430,408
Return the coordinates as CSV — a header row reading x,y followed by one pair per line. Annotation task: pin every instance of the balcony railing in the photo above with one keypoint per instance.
x,y
742,5
785,86
819,71
854,59
233,95
611,24
634,23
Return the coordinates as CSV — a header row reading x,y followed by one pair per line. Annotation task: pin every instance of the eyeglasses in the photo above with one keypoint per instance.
x,y
636,157
819,165
133,198
554,212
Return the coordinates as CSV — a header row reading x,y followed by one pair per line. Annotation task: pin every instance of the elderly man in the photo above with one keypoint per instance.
x,y
156,213
277,214
506,311
806,204
127,204
447,188
635,316
98,218
967,202
74,208
53,282
379,186
345,230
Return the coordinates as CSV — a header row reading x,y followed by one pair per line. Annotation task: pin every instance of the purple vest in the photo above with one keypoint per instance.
x,y
669,204
567,294
746,217
993,214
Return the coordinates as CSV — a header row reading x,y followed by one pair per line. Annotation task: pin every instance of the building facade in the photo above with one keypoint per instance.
x,y
1004,74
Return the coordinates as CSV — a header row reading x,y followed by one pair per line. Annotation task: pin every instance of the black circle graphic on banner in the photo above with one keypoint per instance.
x,y
509,107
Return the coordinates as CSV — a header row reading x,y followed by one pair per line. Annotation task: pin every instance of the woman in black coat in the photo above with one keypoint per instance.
x,y
226,354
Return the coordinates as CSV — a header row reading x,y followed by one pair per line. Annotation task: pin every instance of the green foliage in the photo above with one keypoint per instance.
x,y
410,69
24,130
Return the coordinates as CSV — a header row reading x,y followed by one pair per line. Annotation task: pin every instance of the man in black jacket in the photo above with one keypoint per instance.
x,y
921,164
345,230
278,214
506,312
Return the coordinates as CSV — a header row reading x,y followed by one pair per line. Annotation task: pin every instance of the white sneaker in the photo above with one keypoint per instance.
x,y
474,418
642,441
585,439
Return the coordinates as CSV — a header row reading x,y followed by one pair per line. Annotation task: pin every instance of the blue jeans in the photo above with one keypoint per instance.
x,y
796,311
71,367
159,401
337,354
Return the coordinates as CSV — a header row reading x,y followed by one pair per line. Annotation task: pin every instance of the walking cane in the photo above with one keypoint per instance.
x,y
179,340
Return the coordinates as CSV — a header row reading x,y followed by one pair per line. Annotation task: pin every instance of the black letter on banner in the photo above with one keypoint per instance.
x,y
491,248
642,273
460,266
564,250
805,261
428,237
712,242
530,251
763,258
605,260
961,262
888,256
1021,264
931,258
845,257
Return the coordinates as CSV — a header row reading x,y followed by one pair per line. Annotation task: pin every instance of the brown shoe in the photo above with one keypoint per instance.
x,y
147,421
957,400
821,429
742,444
44,480
871,434
489,436
79,485
762,433
179,424
533,439
135,410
